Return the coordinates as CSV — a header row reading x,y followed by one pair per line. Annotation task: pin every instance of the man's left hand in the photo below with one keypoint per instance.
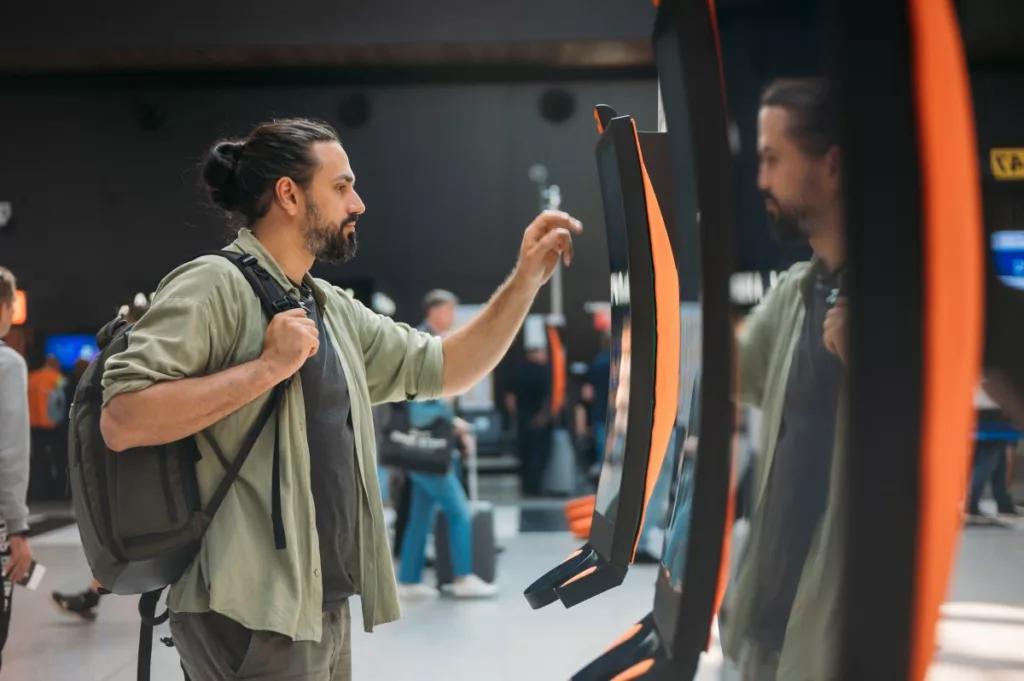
x,y
834,334
547,239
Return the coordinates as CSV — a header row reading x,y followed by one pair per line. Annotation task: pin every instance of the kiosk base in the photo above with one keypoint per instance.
x,y
640,654
579,577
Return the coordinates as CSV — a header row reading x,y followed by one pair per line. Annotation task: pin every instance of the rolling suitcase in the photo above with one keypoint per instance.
x,y
481,531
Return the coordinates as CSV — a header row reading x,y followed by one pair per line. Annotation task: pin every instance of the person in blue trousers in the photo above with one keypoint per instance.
x,y
431,491
428,493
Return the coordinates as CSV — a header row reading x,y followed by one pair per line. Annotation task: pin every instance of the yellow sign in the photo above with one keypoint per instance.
x,y
1007,164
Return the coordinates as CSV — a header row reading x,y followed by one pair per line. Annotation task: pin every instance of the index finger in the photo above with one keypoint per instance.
x,y
553,219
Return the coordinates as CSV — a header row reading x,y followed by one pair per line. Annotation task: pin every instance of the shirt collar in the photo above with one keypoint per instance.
x,y
817,270
246,242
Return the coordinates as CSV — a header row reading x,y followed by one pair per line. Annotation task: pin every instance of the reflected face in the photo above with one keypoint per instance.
x,y
332,206
797,187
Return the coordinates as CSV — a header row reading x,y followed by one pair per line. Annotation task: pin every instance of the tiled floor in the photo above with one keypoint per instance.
x,y
503,640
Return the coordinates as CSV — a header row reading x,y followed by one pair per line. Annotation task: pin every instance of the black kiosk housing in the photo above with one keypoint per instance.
x,y
635,181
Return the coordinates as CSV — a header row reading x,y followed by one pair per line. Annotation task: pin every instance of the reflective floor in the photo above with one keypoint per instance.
x,y
982,636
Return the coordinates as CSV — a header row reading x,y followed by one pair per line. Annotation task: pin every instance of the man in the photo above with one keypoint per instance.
x,y
780,620
268,596
15,554
528,400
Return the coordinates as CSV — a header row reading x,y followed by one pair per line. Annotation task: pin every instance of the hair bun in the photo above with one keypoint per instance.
x,y
220,173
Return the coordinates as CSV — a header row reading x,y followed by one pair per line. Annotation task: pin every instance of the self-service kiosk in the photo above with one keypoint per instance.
x,y
645,360
913,278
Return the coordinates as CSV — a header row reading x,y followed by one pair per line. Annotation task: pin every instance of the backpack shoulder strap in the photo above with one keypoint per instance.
x,y
272,298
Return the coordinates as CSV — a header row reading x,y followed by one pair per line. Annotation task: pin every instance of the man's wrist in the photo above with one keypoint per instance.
x,y
520,283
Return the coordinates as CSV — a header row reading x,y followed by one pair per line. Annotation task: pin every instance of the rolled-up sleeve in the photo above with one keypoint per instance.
x,y
401,362
14,440
183,335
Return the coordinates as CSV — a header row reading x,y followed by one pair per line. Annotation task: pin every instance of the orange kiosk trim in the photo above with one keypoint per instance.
x,y
557,351
636,671
667,328
951,206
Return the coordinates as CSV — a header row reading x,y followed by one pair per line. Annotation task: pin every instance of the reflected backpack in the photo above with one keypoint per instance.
x,y
138,511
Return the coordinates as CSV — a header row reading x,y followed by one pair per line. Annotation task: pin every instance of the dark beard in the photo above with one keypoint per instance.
x,y
785,224
327,242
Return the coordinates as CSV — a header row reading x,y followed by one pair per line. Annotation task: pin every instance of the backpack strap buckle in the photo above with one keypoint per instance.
x,y
284,304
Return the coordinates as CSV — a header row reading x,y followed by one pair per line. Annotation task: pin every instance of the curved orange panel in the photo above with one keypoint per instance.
x,y
557,370
597,118
953,303
667,325
730,512
636,671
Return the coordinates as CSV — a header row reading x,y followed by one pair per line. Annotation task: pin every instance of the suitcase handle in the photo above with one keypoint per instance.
x,y
472,479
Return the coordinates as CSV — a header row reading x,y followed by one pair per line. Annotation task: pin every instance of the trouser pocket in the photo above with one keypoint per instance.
x,y
213,647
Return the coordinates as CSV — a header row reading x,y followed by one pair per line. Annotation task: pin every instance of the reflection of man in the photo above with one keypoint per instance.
x,y
624,365
780,618
595,393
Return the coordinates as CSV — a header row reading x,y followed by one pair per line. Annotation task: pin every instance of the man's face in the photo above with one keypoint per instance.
x,y
332,206
798,188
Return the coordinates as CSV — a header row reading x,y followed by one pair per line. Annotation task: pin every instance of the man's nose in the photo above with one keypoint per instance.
x,y
762,179
357,206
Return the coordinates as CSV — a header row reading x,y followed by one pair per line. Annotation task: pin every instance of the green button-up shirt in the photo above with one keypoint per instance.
x,y
205,318
766,346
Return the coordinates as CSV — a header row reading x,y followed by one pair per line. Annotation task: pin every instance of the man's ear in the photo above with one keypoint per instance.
x,y
834,166
286,195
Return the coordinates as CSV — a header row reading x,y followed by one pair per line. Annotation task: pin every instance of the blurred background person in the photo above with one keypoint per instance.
x,y
425,493
528,400
45,393
995,436
15,553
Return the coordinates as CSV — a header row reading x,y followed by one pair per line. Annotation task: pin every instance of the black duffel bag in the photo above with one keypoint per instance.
x,y
419,450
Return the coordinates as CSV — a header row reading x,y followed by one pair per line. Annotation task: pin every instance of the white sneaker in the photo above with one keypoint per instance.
x,y
472,586
416,591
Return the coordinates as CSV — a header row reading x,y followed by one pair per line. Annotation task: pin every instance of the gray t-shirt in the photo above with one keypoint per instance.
x,y
332,462
14,439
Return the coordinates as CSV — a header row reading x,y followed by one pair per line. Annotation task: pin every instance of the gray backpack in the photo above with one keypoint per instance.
x,y
138,511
